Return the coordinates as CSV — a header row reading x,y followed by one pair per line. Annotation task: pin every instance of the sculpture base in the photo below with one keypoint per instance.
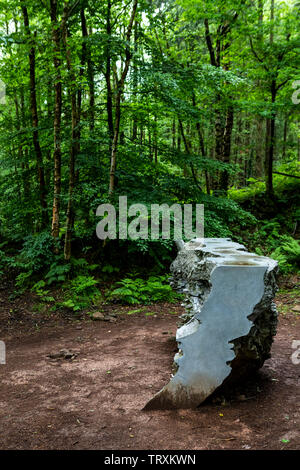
x,y
230,319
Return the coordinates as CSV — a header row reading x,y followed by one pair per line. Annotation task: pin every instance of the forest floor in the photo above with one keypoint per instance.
x,y
94,398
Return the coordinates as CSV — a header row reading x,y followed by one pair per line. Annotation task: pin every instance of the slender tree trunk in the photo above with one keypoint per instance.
x,y
259,170
35,120
224,178
20,151
223,130
285,133
114,149
270,145
174,134
25,166
90,72
272,19
76,101
135,79
120,88
150,138
56,38
270,125
155,140
49,116
202,148
178,138
109,93
188,149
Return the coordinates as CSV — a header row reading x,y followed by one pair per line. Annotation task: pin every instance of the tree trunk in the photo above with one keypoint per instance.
x,y
135,79
120,88
35,120
109,93
270,145
56,38
224,178
90,71
76,99
285,133
114,149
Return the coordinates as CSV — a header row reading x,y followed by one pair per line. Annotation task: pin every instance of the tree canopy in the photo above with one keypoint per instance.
x,y
164,101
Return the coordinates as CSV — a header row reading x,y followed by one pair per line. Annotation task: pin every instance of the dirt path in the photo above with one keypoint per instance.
x,y
94,400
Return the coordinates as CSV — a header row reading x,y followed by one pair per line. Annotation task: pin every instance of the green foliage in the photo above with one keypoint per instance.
x,y
4,261
175,102
82,266
38,288
60,271
35,256
254,187
81,293
282,184
57,272
288,255
108,271
108,268
37,252
267,236
269,240
224,217
24,280
143,291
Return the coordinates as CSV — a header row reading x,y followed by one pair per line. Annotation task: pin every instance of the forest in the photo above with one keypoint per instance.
x,y
162,101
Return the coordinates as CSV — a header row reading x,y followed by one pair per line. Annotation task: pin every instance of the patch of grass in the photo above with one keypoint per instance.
x,y
132,312
284,309
292,293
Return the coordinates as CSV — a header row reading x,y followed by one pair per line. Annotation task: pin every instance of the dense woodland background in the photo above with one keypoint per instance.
x,y
175,101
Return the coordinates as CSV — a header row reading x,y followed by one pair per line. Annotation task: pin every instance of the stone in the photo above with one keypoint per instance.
x,y
98,316
111,319
63,354
230,320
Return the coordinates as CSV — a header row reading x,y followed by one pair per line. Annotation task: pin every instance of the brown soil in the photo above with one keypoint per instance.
x,y
95,399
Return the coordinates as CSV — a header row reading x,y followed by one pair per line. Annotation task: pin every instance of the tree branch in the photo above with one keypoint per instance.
x,y
128,52
285,174
282,84
256,55
209,44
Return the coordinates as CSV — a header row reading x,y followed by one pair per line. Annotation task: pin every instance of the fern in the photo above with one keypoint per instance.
x,y
141,291
81,293
288,255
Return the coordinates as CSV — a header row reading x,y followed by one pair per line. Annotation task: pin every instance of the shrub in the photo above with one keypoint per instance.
x,y
38,288
288,255
81,293
141,291
4,261
35,256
